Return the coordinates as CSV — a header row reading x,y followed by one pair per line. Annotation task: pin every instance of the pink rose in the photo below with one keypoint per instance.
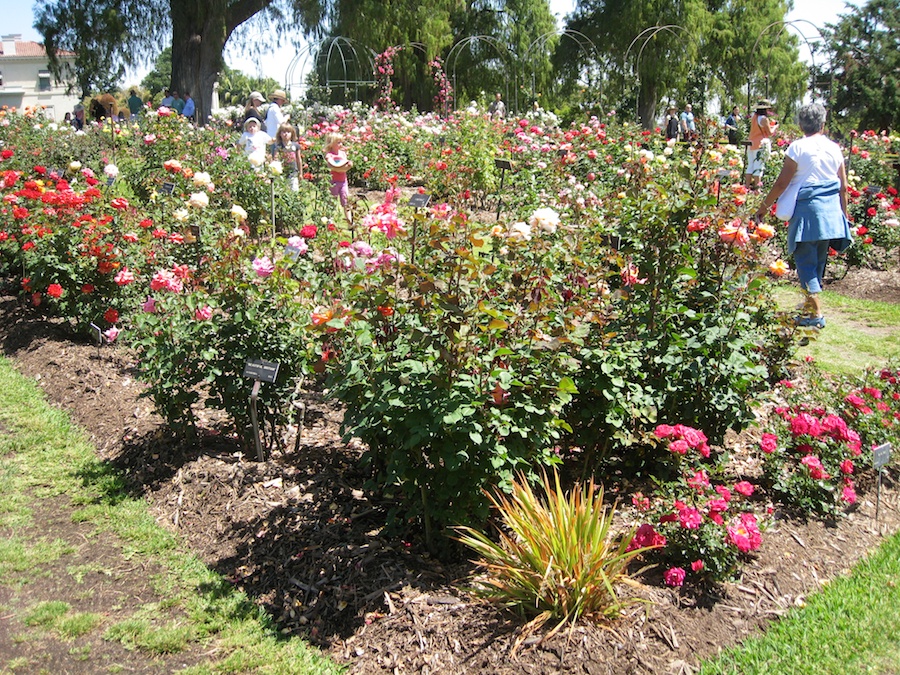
x,y
744,488
768,443
674,576
203,313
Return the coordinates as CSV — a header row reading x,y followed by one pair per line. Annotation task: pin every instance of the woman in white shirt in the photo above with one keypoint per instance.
x,y
811,191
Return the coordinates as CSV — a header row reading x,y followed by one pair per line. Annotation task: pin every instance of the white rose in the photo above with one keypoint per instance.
x,y
111,170
545,219
75,166
257,157
181,215
201,178
199,200
238,213
275,168
520,231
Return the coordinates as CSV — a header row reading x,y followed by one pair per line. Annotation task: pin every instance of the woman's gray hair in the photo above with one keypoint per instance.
x,y
811,118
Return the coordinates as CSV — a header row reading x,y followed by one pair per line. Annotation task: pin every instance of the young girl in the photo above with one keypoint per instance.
x,y
287,149
254,141
339,165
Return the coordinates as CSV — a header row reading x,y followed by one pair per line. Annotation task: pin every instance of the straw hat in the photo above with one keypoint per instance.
x,y
278,93
763,103
256,96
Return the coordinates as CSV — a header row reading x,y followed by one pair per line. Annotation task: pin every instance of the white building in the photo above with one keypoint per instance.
x,y
26,81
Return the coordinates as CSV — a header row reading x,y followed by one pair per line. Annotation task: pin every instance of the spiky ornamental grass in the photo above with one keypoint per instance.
x,y
556,558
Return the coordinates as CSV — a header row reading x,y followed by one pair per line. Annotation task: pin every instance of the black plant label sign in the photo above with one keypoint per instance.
x,y
264,371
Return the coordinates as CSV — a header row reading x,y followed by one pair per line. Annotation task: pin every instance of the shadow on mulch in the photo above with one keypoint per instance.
x,y
305,540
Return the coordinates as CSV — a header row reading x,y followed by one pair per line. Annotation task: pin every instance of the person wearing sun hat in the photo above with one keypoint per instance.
x,y
251,110
672,123
275,116
762,126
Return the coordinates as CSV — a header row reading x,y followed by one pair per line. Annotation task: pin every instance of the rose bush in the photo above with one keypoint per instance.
x,y
622,287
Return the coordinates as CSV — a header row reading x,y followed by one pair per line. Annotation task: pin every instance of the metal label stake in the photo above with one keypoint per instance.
x,y
261,371
880,457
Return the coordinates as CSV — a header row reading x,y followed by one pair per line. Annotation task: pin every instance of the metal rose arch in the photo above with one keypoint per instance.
x,y
503,52
783,26
648,34
344,66
585,45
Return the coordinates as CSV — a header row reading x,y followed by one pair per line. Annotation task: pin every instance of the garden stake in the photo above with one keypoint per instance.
x,y
272,183
880,457
99,338
503,165
254,395
500,192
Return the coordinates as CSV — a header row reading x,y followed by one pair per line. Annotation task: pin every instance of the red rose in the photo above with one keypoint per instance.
x,y
54,290
111,316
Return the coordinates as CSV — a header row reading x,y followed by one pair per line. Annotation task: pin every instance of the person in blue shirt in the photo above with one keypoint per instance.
x,y
688,126
189,107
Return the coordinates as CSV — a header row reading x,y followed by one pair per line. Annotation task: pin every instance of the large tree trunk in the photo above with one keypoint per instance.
x,y
198,40
200,29
647,101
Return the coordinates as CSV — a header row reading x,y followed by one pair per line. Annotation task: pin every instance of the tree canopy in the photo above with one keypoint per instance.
x,y
865,56
689,51
489,45
109,35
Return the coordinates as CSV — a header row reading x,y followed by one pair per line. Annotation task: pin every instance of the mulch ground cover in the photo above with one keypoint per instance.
x,y
302,537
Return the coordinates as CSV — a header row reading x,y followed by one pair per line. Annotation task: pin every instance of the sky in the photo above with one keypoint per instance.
x,y
274,63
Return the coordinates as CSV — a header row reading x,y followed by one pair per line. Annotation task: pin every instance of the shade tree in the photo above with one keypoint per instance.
x,y
865,64
109,35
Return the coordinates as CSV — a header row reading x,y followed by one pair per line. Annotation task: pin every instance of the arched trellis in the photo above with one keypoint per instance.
x,y
415,46
577,37
501,49
357,66
647,34
784,25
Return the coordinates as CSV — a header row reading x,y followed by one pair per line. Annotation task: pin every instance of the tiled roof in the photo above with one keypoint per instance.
x,y
32,49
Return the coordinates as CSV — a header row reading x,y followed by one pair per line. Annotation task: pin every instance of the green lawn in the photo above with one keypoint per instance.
x,y
858,333
197,611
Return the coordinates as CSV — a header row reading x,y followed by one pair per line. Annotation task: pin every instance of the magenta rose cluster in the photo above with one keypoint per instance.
x,y
682,438
809,463
702,528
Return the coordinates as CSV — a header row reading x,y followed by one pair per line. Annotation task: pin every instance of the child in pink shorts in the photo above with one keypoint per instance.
x,y
339,165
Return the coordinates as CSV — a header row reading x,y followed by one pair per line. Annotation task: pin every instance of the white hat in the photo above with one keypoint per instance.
x,y
255,95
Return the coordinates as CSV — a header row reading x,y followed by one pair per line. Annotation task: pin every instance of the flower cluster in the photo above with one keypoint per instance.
x,y
701,528
873,409
808,458
682,438
383,218
443,99
384,70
